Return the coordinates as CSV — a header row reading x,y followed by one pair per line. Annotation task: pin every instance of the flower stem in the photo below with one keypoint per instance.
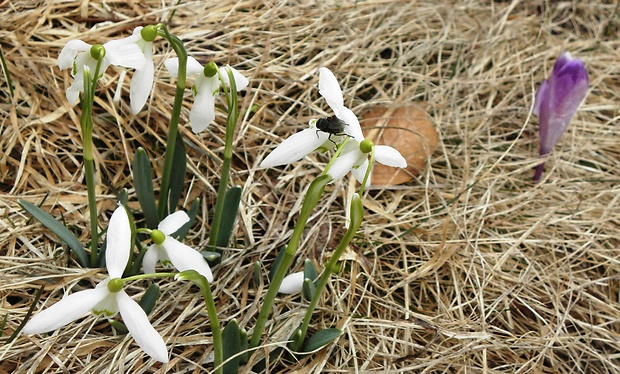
x,y
315,191
231,124
164,189
357,215
218,348
539,172
86,125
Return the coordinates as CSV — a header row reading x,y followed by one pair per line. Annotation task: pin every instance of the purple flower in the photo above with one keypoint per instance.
x,y
557,101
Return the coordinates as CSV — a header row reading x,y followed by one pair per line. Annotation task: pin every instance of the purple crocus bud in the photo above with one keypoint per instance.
x,y
557,101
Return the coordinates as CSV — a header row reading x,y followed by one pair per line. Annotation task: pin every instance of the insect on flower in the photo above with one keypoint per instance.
x,y
331,125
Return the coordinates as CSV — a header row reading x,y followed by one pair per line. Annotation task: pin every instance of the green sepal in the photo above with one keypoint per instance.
x,y
308,289
321,339
58,229
231,343
191,213
119,327
276,264
143,183
177,174
148,300
232,198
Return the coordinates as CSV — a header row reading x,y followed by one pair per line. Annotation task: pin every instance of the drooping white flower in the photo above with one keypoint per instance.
x,y
107,297
171,251
205,89
76,54
142,81
351,158
292,283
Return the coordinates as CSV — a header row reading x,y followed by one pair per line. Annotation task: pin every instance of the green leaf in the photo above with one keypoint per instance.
x,y
231,207
245,343
57,228
310,271
191,213
321,339
177,175
212,258
257,276
147,302
143,183
308,289
119,326
123,197
276,263
231,342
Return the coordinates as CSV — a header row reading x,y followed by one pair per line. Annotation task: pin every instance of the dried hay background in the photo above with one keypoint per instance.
x,y
468,268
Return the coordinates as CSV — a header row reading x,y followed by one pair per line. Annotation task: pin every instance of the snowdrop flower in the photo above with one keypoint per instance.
x,y
171,251
76,54
292,283
352,157
557,101
107,297
142,81
206,86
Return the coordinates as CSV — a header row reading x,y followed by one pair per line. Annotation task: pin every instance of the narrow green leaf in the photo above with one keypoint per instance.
x,y
276,263
308,289
123,197
310,271
57,228
143,183
118,326
257,276
177,175
213,258
229,215
245,343
148,300
193,210
321,339
231,342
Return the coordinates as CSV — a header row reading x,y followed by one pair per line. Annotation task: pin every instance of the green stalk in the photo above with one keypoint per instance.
x,y
357,215
231,124
315,191
205,288
86,125
179,49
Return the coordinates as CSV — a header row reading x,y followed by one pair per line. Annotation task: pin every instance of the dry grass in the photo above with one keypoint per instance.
x,y
469,268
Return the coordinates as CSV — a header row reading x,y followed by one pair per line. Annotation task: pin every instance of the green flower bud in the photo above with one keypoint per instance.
x,y
210,69
97,52
366,146
157,236
115,285
149,33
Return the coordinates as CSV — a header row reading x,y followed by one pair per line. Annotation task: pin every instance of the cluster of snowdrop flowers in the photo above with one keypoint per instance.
x,y
206,86
354,155
107,298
